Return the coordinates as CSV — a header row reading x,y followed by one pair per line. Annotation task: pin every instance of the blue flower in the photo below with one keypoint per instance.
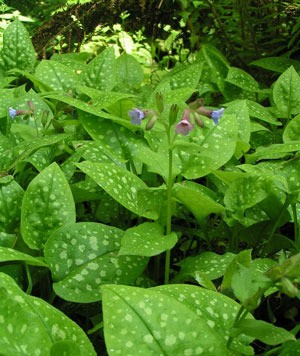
x,y
136,116
12,113
216,115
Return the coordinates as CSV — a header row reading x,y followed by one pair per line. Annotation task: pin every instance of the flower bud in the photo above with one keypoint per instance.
x,y
159,102
30,105
151,122
196,104
44,118
173,114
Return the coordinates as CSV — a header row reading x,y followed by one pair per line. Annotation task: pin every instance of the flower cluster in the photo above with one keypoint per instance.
x,y
191,116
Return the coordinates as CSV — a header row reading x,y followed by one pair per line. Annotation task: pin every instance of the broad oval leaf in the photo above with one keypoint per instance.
x,y
119,183
18,51
212,265
129,71
146,239
11,195
286,93
242,79
214,151
84,256
47,205
100,73
30,326
57,76
196,200
292,130
159,323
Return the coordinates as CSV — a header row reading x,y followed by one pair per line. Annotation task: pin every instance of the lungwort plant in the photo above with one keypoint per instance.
x,y
139,218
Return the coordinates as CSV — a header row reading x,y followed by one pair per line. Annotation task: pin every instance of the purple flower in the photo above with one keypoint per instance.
x,y
184,127
136,116
12,113
216,115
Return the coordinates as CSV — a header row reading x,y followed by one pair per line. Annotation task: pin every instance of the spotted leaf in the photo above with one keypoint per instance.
x,y
11,195
146,239
30,326
47,205
9,254
18,51
212,265
100,73
292,130
130,72
197,199
88,258
119,183
216,148
169,320
286,93
56,75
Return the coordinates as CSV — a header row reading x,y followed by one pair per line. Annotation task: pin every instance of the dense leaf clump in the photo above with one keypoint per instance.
x,y
143,215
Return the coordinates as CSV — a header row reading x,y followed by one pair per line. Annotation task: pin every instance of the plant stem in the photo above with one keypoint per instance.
x,y
240,316
169,210
29,280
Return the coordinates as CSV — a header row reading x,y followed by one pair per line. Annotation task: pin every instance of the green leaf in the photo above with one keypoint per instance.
x,y
7,240
196,199
290,348
102,99
47,205
286,93
244,259
245,193
240,109
292,130
56,75
157,162
129,71
275,151
9,254
12,155
84,256
250,283
11,195
65,348
215,150
100,73
183,76
217,63
262,113
146,239
18,51
30,326
158,323
95,151
242,79
263,331
212,265
276,64
119,183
